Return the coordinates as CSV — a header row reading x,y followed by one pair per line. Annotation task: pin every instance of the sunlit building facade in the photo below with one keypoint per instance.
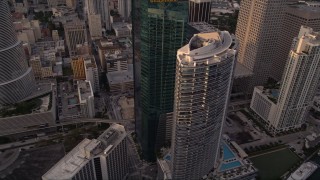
x,y
204,76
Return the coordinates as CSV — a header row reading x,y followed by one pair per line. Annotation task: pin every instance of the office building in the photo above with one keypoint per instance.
x,y
124,8
203,84
86,99
16,78
102,8
104,158
163,32
75,33
257,30
95,27
199,10
287,108
295,16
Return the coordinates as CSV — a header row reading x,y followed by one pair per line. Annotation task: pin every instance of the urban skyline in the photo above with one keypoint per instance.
x,y
153,89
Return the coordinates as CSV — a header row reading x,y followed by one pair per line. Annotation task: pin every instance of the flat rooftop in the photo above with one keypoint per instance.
x,y
112,137
84,90
117,77
203,27
120,26
70,164
305,8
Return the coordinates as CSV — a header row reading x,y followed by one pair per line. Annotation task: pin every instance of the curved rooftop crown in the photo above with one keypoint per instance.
x,y
206,45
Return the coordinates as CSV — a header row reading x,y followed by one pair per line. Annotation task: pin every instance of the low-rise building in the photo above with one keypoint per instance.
x,y
77,65
121,81
104,158
122,29
116,61
107,46
263,102
312,140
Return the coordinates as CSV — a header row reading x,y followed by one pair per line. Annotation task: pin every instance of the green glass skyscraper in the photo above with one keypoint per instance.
x,y
161,33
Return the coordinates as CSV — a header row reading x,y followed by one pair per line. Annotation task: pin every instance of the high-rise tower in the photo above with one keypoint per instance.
x,y
299,81
102,8
75,33
258,28
16,78
199,10
289,108
163,32
124,8
203,84
295,16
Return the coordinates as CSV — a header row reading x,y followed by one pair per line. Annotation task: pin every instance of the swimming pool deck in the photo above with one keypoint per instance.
x,y
229,159
231,166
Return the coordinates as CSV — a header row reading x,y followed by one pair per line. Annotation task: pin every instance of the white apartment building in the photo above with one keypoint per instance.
x,y
95,27
204,74
92,73
298,86
104,158
86,99
122,29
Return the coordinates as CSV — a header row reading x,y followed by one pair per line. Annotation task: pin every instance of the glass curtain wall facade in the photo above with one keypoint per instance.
x,y
162,32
